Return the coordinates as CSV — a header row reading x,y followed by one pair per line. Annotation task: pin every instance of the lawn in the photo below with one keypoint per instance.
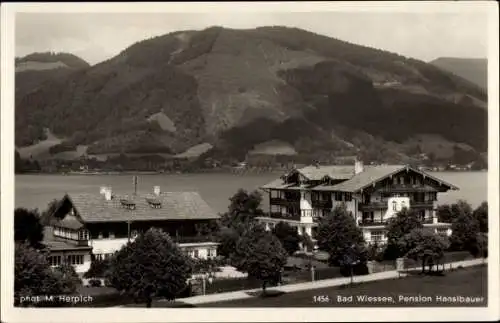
x,y
465,282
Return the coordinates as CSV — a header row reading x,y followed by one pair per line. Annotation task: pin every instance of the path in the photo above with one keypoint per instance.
x,y
221,297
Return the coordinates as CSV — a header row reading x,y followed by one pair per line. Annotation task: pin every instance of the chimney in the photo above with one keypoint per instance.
x,y
107,193
157,190
134,180
358,166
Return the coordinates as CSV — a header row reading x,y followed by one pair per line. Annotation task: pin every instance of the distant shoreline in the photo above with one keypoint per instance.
x,y
235,172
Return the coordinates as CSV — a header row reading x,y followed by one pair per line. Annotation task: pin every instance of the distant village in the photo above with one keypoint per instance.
x,y
151,164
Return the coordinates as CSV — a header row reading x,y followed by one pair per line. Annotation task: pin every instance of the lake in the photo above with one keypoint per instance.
x,y
36,191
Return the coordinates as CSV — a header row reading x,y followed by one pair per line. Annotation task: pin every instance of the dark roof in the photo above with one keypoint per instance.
x,y
354,182
316,173
58,245
69,222
369,175
174,206
372,174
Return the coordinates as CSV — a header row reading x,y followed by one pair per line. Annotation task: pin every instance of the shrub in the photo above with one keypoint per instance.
x,y
95,282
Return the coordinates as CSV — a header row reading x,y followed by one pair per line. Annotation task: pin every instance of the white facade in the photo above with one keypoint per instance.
x,y
80,260
306,209
103,248
202,250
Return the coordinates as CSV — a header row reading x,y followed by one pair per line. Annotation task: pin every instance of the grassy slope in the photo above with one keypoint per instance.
x,y
206,83
464,282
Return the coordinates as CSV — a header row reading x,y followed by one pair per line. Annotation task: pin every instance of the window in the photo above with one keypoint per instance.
x,y
442,231
75,259
55,260
196,253
377,236
394,206
83,235
348,197
211,253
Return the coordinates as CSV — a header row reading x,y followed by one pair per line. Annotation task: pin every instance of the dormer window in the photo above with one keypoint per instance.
x,y
83,235
154,203
130,205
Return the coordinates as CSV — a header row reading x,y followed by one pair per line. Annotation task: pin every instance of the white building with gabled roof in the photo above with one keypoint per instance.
x,y
100,224
372,194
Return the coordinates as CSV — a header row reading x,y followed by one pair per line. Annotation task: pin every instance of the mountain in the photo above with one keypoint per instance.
x,y
35,69
239,90
474,70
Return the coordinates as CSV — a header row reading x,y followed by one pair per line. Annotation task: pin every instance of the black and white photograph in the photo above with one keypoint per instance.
x,y
278,159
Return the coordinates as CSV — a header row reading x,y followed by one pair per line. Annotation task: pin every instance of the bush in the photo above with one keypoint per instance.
x,y
95,282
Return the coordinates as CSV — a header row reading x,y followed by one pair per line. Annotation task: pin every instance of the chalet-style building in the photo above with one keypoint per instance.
x,y
94,226
373,194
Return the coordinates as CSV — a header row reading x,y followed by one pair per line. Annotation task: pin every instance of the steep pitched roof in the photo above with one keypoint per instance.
x,y
69,222
173,206
369,175
59,245
373,174
316,173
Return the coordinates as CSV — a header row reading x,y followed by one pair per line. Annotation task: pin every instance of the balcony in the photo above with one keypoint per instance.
x,y
422,205
283,202
379,222
322,204
281,216
363,207
403,188
369,222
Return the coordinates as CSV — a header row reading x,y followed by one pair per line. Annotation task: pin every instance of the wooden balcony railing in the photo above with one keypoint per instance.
x,y
376,222
407,188
322,204
283,202
383,205
281,216
369,222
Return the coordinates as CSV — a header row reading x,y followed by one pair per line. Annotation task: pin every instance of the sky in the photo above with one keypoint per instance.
x,y
96,37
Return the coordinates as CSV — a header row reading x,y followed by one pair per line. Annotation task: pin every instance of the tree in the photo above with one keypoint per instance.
x,y
48,215
244,207
464,228
403,223
260,254
227,238
482,245
481,216
424,245
33,275
152,265
242,210
288,236
444,213
27,227
338,235
98,268
68,278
